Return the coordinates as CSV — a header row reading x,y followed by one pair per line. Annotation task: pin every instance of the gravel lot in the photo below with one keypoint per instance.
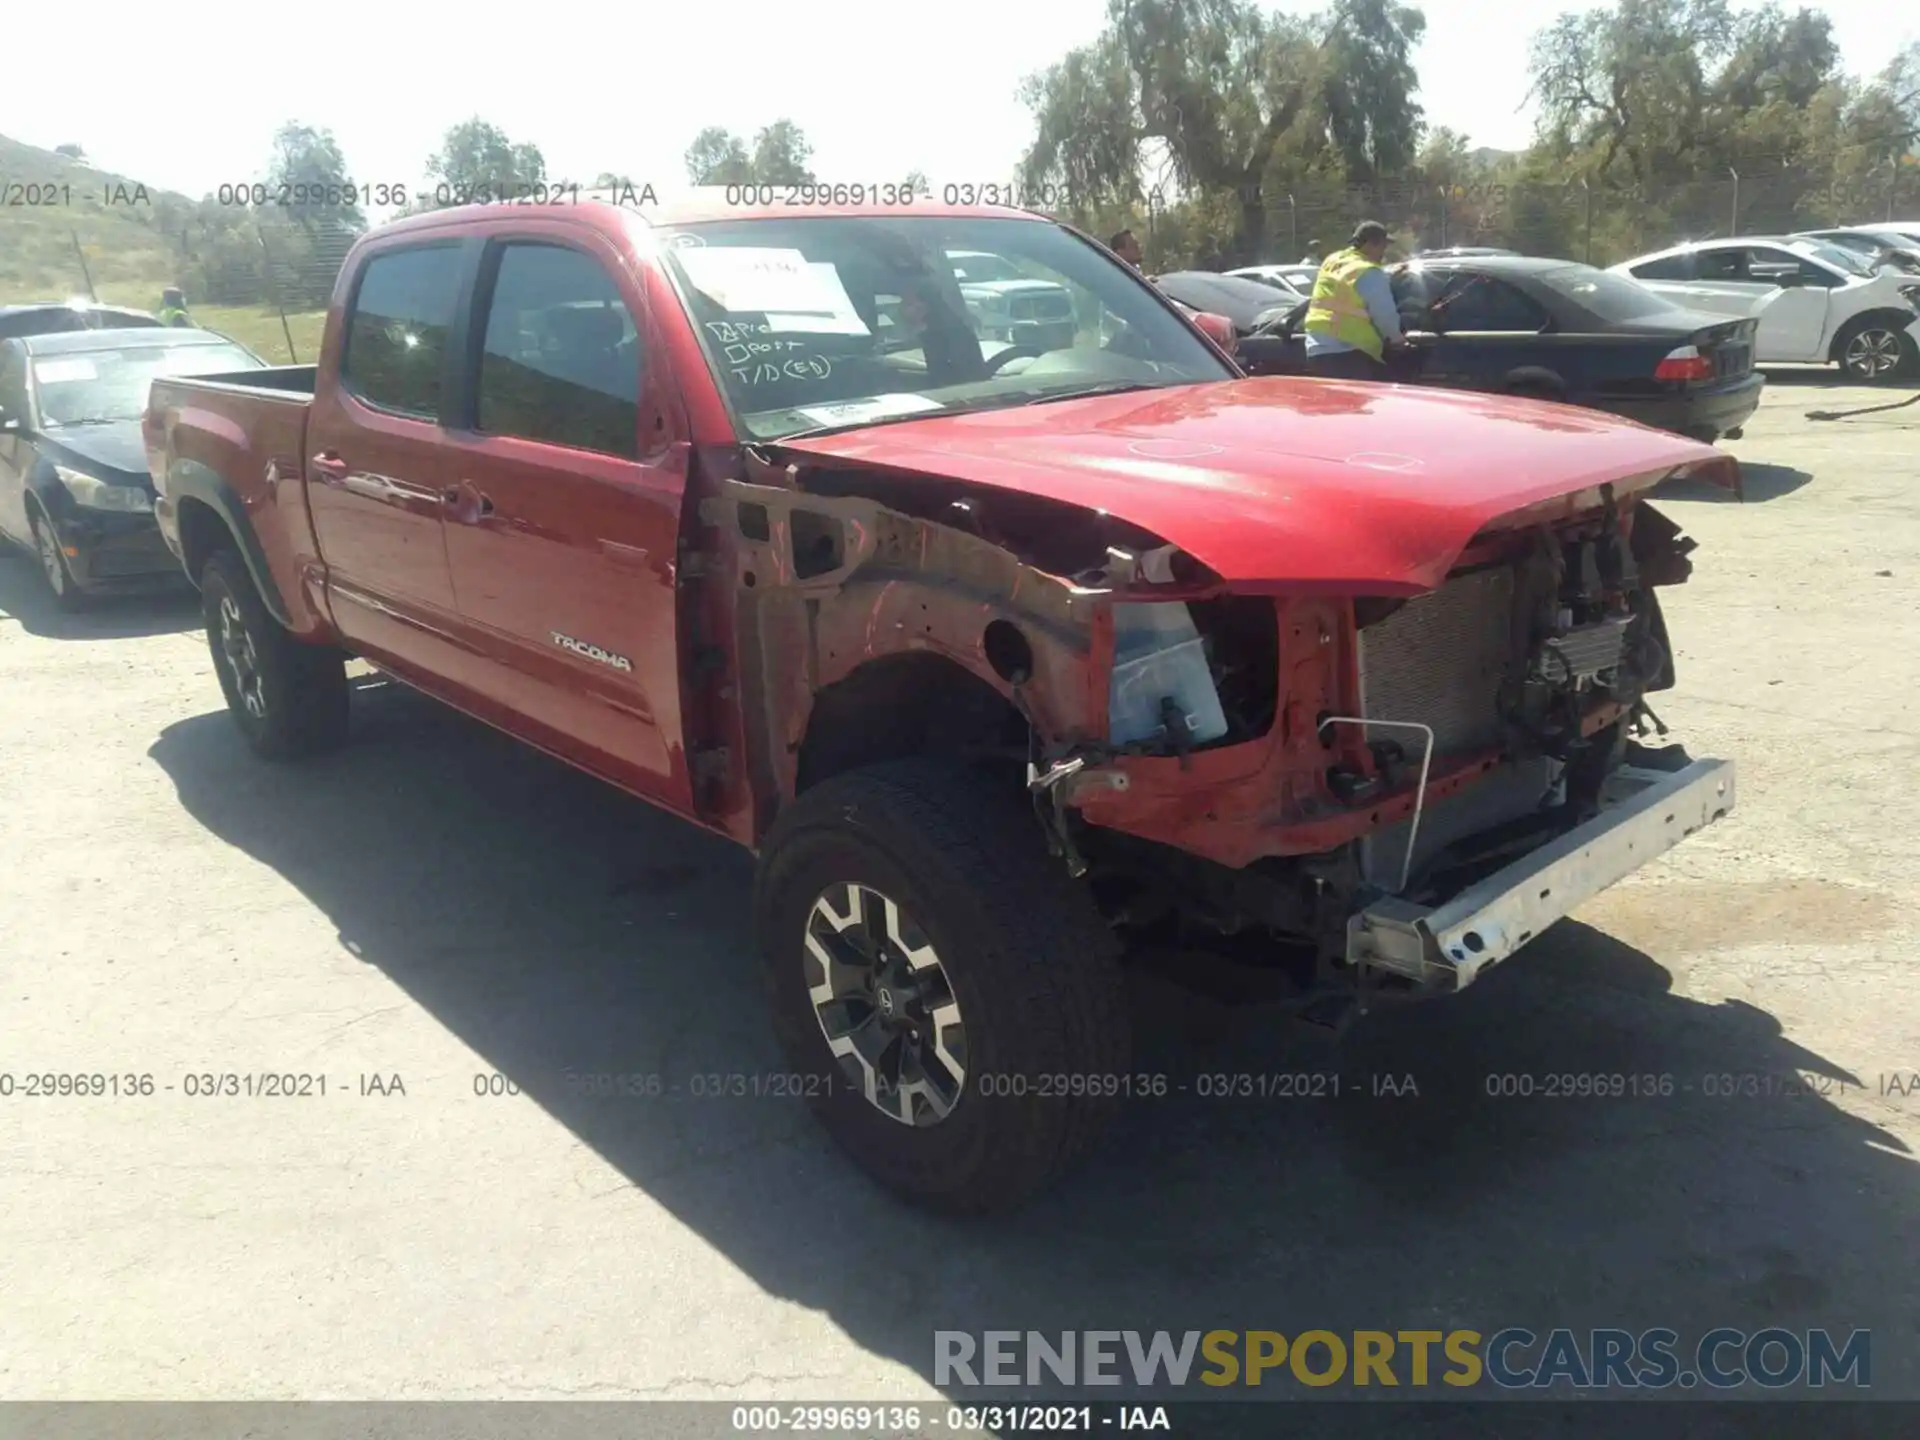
x,y
439,904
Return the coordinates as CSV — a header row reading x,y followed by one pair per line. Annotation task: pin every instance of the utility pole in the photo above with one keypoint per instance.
x,y
85,273
1733,222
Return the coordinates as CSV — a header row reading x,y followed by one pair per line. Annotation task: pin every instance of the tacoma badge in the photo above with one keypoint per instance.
x,y
592,652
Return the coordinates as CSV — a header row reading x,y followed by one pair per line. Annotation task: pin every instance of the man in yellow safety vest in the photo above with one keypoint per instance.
x,y
1351,318
173,308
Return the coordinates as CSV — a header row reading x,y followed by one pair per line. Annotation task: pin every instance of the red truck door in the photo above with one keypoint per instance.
x,y
374,455
569,473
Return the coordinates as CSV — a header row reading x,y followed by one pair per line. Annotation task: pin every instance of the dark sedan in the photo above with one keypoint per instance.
x,y
73,469
1555,330
57,317
1248,303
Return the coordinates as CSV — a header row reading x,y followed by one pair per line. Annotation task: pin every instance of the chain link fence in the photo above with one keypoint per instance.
x,y
260,277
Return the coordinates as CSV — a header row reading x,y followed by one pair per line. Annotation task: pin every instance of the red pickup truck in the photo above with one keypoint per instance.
x,y
1009,660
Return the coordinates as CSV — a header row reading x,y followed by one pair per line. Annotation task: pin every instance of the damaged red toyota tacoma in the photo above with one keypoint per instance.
x,y
1014,630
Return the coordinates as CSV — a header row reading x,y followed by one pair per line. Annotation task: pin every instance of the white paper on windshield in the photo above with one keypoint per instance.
x,y
880,407
57,372
794,293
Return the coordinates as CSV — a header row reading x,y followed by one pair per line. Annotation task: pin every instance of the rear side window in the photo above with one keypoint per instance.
x,y
1672,267
562,357
397,335
1480,302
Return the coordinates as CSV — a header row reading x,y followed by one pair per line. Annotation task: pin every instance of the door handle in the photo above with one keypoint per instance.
x,y
329,467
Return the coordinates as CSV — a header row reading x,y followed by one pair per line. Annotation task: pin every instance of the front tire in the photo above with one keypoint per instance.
x,y
52,565
1873,352
952,999
288,698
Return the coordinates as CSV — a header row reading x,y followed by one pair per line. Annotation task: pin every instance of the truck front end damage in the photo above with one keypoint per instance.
x,y
1385,792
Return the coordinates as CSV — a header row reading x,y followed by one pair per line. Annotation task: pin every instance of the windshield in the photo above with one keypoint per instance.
x,y
93,386
831,322
1842,260
1605,296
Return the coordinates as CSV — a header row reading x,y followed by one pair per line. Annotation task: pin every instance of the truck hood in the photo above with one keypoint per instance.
x,y
1292,484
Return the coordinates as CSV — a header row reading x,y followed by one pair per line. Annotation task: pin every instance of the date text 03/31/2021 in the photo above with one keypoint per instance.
x,y
874,1422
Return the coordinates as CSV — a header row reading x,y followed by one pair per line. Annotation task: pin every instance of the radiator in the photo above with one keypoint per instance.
x,y
1439,660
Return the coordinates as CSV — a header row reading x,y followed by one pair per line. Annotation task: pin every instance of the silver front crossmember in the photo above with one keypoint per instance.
x,y
1646,813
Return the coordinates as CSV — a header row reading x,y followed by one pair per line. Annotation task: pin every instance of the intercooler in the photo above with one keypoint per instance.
x,y
1440,660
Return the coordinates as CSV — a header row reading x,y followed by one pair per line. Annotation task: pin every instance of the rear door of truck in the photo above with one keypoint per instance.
x,y
566,467
375,462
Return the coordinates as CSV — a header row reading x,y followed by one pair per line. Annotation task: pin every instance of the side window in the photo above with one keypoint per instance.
x,y
1671,267
1415,287
1812,275
1478,302
397,334
13,381
563,357
1722,265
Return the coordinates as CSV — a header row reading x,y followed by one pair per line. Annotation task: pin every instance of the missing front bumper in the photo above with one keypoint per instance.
x,y
1445,948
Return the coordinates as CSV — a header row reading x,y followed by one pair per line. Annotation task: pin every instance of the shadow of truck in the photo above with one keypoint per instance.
x,y
554,925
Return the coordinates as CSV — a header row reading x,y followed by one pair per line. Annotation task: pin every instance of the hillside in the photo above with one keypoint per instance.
x,y
114,227
130,255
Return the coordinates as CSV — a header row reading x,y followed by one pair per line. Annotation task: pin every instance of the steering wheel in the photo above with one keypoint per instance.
x,y
1013,352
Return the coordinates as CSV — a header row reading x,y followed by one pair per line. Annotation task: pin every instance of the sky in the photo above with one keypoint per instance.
x,y
880,87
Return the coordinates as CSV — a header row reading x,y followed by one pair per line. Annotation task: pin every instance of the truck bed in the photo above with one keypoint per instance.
x,y
280,381
231,443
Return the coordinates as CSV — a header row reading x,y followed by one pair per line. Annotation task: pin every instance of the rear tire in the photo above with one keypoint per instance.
x,y
288,698
949,882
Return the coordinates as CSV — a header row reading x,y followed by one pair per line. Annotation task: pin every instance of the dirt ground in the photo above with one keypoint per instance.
x,y
439,907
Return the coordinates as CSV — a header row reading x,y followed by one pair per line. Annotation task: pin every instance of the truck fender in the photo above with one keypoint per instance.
x,y
190,483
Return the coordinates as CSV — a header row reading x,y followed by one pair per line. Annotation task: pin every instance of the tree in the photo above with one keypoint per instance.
x,y
476,159
780,155
717,157
917,182
1182,96
1223,107
308,180
72,152
1368,83
1633,82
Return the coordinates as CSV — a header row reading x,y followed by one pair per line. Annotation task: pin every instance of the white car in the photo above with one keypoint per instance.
x,y
1815,303
1294,279
1876,244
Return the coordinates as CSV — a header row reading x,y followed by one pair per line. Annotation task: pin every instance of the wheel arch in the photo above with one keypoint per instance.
x,y
899,706
210,517
1895,320
1535,380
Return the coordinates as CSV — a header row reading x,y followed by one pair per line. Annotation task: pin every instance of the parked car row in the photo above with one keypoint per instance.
x,y
1000,654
